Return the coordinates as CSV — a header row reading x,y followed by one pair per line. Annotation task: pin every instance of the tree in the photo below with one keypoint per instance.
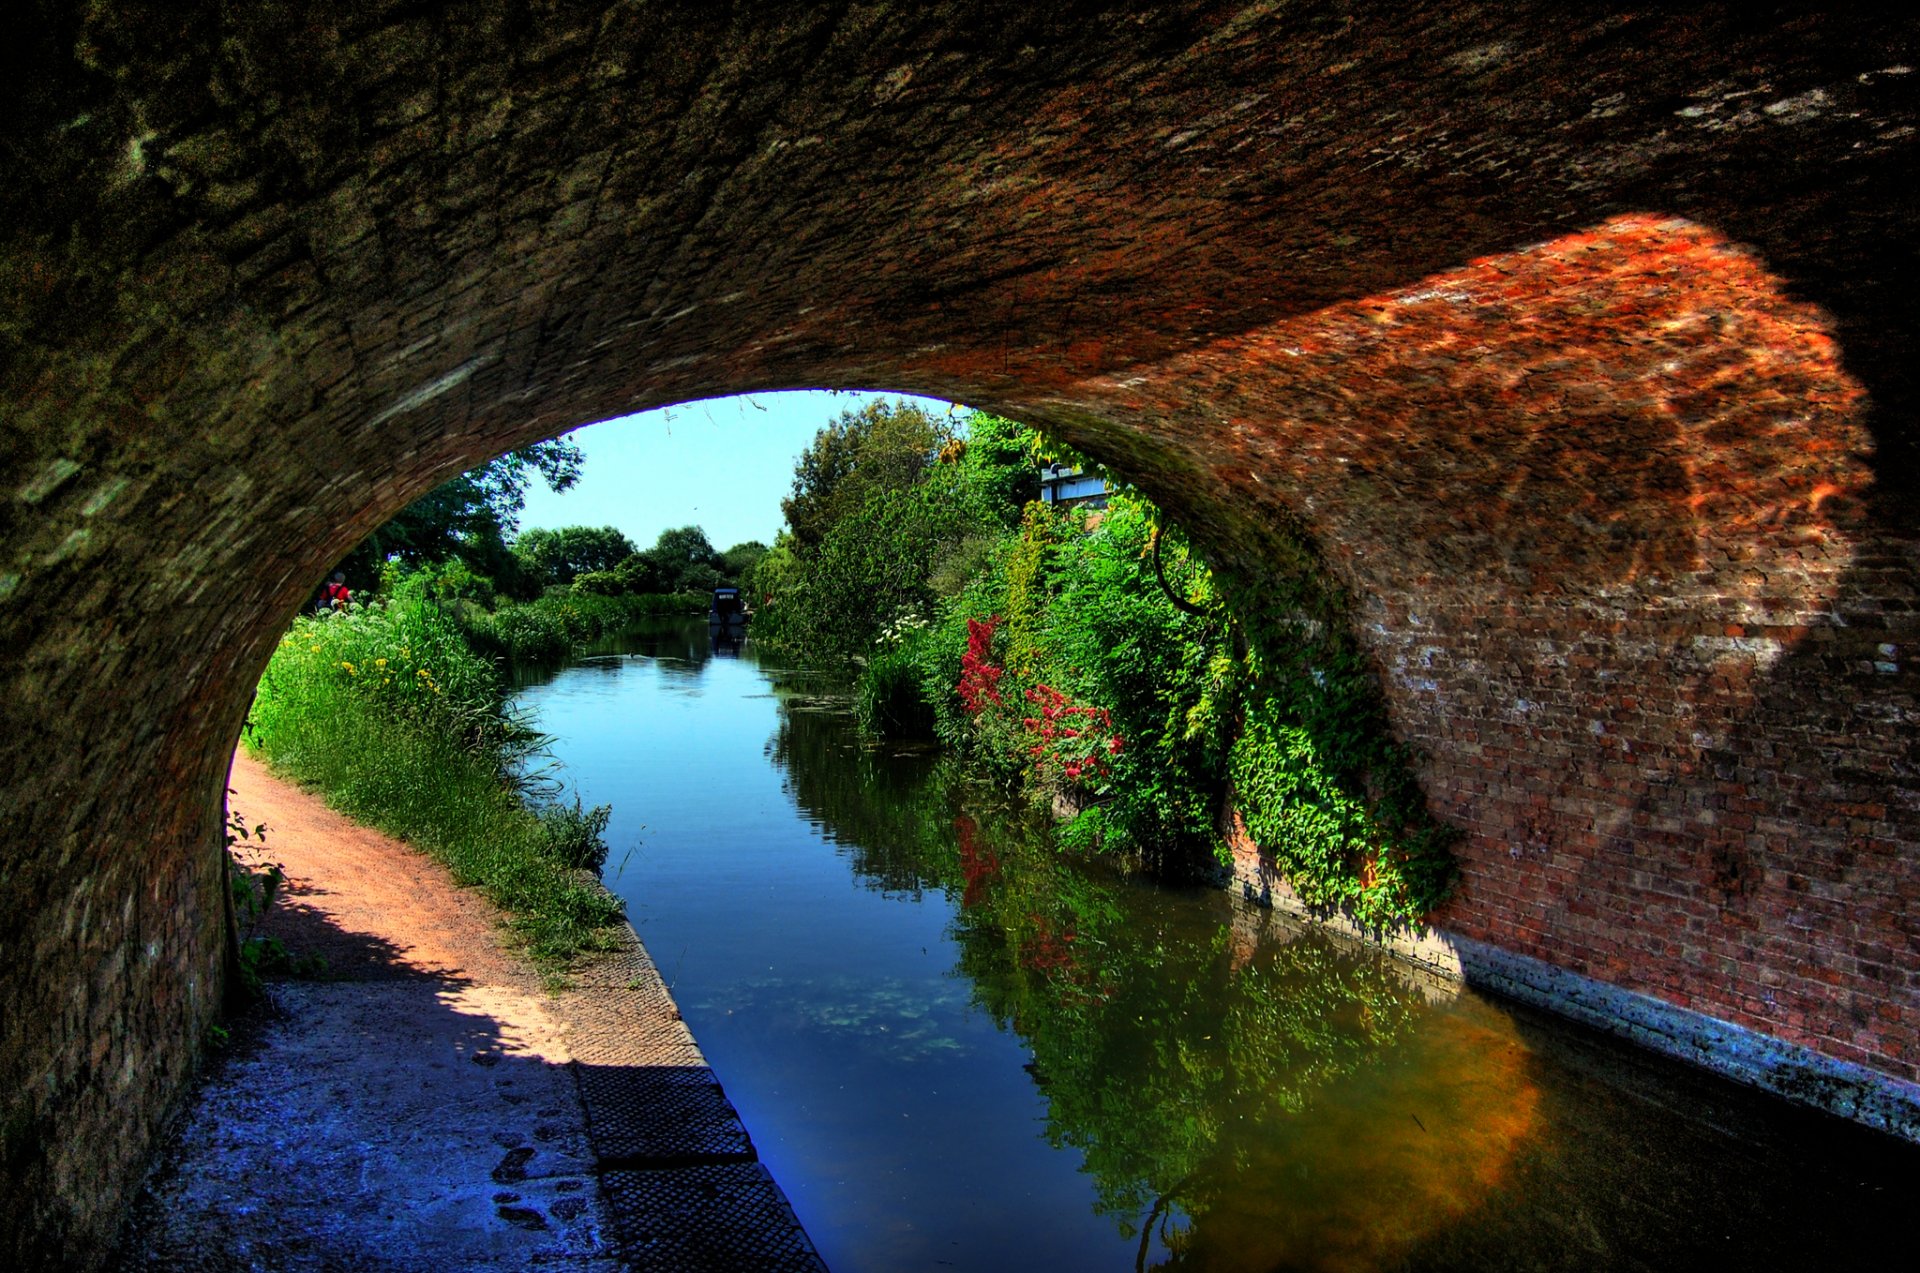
x,y
997,468
681,560
560,556
881,447
469,518
901,509
684,546
737,563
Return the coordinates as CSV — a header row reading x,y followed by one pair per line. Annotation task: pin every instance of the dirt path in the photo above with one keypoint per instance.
x,y
426,1104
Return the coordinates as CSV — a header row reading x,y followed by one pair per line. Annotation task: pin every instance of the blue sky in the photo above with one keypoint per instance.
x,y
722,464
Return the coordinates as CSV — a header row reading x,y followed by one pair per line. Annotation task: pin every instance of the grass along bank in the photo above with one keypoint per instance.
x,y
390,713
548,629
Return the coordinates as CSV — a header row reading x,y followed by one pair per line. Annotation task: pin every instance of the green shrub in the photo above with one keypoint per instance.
x,y
399,724
549,629
599,583
888,701
1149,718
1094,664
576,835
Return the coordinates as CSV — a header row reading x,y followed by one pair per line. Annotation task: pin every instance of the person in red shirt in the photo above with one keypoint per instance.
x,y
336,594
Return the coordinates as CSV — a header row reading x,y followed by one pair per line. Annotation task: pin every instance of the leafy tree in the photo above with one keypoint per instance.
x,y
642,573
737,562
681,560
469,518
901,506
774,573
685,560
881,446
872,566
684,546
559,556
996,469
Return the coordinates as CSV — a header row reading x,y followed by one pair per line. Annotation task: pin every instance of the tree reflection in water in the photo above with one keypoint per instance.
x,y
1239,1088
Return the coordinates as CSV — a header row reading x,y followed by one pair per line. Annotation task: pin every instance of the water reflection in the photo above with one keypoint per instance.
x,y
956,1048
1185,1050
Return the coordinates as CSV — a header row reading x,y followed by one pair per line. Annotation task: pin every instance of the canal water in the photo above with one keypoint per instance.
x,y
956,1049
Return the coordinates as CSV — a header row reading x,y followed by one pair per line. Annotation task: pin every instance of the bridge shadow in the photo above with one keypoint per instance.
x,y
376,1116
380,1115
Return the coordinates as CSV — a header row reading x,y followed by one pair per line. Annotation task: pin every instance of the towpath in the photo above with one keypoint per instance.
x,y
425,1103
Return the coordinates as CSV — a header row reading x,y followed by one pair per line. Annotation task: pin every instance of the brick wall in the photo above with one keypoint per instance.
x,y
1580,347
1604,506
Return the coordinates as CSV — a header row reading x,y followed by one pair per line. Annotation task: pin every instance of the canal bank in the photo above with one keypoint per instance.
x,y
425,1102
1775,1066
958,1047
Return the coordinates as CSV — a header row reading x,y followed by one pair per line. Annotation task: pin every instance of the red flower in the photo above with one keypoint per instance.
x,y
979,678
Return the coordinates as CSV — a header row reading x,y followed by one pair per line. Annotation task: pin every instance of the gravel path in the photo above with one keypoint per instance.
x,y
426,1104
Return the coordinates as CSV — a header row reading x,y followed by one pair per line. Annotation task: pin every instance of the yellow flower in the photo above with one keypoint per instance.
x,y
379,662
347,666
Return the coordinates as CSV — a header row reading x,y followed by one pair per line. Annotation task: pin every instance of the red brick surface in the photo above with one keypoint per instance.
x,y
1604,505
1580,343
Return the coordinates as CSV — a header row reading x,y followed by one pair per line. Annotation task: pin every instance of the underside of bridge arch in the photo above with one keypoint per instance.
x,y
1577,348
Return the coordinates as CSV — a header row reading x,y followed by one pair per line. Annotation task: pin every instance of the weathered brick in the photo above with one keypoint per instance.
x,y
1609,427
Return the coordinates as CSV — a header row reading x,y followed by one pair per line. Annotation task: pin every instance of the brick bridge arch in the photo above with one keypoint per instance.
x,y
1579,346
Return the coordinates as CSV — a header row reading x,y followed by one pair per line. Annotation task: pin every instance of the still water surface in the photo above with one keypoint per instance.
x,y
956,1050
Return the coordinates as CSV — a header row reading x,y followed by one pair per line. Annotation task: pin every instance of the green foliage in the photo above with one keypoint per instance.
x,y
996,469
551,628
455,581
680,561
389,713
880,447
598,583
407,660
891,506
576,835
1111,695
1325,789
1317,775
469,518
889,701
872,564
1093,663
555,557
738,562
1145,719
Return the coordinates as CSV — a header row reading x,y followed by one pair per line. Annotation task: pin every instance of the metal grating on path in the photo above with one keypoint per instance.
x,y
678,1173
656,1114
724,1217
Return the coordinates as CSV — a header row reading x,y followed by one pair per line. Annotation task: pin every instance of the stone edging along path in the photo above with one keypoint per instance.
x,y
426,1103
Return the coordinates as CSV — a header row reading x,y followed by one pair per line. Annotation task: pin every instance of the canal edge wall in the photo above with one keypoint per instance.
x,y
677,1169
1777,1066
